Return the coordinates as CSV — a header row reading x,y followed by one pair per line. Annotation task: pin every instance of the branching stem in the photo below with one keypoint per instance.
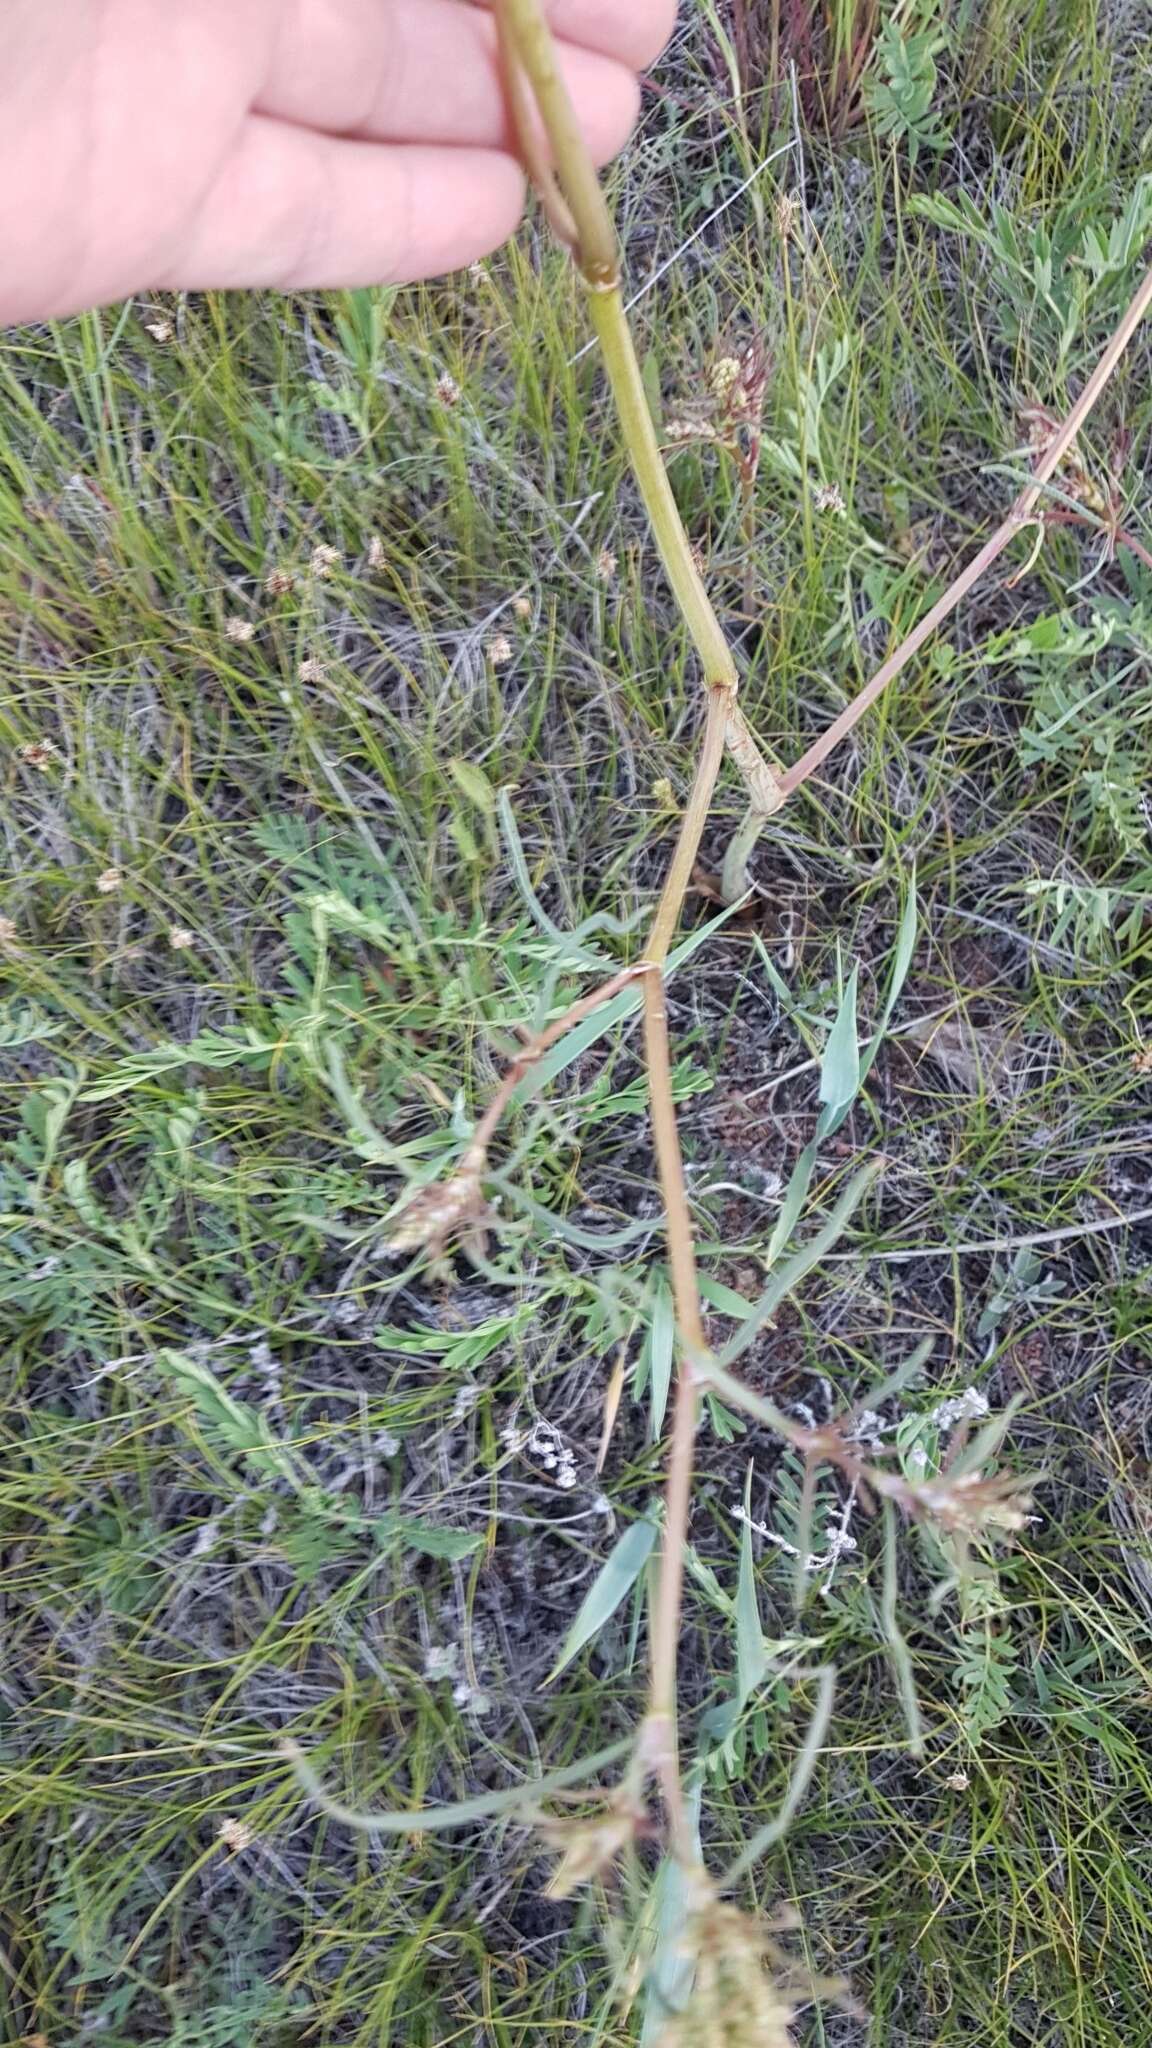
x,y
574,201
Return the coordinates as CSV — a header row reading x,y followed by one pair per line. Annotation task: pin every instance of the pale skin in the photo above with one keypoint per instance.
x,y
155,145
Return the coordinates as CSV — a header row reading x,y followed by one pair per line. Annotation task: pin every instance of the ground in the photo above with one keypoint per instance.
x,y
340,682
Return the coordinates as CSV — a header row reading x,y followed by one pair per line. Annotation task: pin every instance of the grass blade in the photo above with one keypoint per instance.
x,y
797,1784
897,1647
901,962
795,1269
795,1196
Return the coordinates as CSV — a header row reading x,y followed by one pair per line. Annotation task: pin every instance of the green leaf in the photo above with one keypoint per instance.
x,y
661,1347
726,1426
212,1049
612,1584
74,1179
22,1023
237,1426
751,1656
901,962
724,1298
576,1042
795,1196
331,911
795,1269
48,1111
962,219
671,1964
840,1065
431,1539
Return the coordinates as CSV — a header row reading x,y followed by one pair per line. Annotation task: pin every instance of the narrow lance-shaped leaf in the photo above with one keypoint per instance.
x,y
795,1196
612,1584
840,1066
788,1276
751,1656
661,1345
901,962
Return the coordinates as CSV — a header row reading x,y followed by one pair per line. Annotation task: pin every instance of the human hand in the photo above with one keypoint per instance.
x,y
188,144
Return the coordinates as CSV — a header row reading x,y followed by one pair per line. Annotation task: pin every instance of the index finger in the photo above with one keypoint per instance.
x,y
632,31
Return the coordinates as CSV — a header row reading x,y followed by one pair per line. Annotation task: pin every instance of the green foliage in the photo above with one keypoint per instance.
x,y
1089,720
984,1674
200,1147
900,87
611,1586
235,1425
23,1023
1055,281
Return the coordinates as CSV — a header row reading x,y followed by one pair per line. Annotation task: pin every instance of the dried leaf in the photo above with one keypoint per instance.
x,y
977,1059
588,1847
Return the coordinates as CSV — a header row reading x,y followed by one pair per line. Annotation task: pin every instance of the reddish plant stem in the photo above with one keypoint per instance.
x,y
538,1046
1022,512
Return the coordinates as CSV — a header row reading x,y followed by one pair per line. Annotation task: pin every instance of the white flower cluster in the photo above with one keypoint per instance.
x,y
969,1406
544,1444
840,1542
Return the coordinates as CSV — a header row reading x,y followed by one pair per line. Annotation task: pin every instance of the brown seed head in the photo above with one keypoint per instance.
x,y
588,1847
442,1211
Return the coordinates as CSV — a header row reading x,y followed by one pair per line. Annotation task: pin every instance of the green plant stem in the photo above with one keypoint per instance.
x,y
527,42
738,853
606,309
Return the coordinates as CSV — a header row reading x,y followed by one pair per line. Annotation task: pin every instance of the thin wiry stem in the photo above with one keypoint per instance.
x,y
425,1820
1021,513
798,1784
